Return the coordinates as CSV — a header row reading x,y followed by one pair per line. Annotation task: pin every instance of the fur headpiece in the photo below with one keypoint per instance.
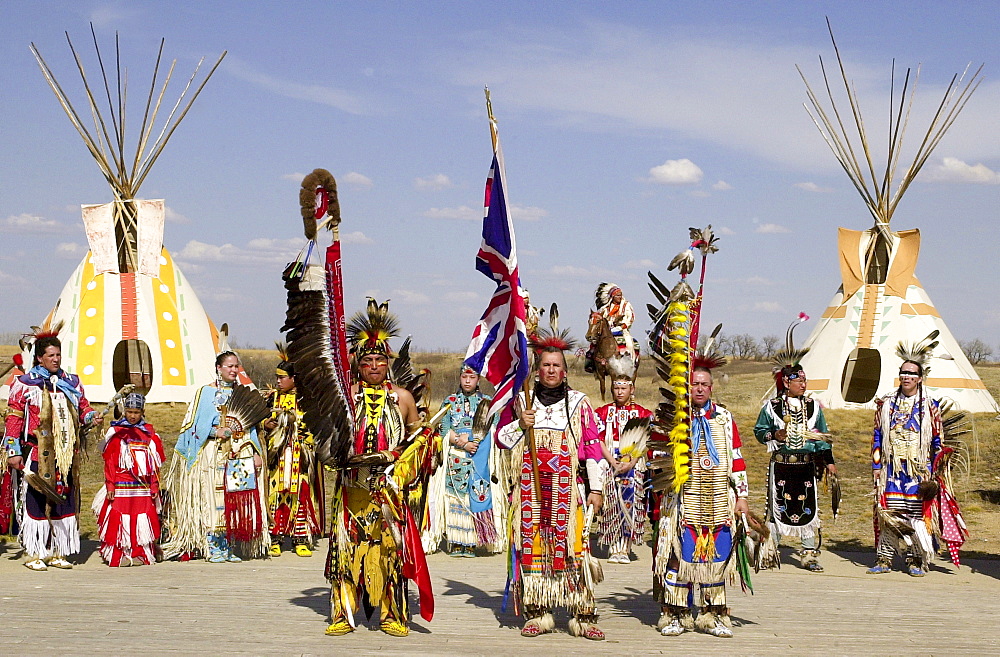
x,y
369,330
919,352
788,358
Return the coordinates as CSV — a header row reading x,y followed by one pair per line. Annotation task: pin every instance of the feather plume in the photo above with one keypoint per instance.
x,y
554,319
224,338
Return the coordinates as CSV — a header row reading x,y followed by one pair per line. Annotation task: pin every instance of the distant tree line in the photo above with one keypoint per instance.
x,y
747,347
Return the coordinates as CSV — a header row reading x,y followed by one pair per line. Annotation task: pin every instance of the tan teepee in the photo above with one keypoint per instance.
x,y
880,302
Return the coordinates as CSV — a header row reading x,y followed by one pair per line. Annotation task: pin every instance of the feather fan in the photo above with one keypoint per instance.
x,y
246,407
324,399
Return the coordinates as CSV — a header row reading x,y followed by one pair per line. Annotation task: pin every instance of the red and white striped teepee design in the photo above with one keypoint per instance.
x,y
128,314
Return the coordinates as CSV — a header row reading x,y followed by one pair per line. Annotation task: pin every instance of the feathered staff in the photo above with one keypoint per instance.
x,y
673,343
314,320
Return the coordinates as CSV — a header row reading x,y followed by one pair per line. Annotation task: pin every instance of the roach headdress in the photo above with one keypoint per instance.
x,y
552,337
370,330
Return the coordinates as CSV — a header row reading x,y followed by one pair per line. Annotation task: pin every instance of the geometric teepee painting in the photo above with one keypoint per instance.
x,y
144,327
852,351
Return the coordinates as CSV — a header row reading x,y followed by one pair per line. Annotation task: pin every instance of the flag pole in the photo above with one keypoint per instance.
x,y
528,401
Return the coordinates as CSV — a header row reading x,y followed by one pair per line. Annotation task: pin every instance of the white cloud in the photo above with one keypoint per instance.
x,y
700,193
29,223
175,217
645,263
258,252
315,93
722,186
295,177
953,170
10,279
572,271
768,307
676,172
813,187
712,70
770,229
463,212
70,250
569,270
435,183
527,213
411,297
356,179
356,237
725,230
758,280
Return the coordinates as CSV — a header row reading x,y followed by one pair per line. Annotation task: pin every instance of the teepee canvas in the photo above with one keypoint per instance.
x,y
852,351
127,313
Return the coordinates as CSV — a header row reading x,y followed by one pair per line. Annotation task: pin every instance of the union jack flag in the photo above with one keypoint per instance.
x,y
499,346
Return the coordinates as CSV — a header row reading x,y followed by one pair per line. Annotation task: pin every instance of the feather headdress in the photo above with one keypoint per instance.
x,y
919,352
605,291
788,356
370,330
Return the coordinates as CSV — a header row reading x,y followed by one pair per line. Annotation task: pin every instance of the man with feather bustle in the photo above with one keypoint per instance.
x,y
371,517
915,504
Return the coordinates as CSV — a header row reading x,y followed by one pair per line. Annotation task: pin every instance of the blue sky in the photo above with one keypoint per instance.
x,y
622,124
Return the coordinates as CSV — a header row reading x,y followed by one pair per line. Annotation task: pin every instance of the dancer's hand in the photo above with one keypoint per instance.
x,y
595,500
16,462
742,506
527,418
471,447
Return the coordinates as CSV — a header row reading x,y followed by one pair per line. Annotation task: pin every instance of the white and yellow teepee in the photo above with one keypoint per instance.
x,y
880,302
128,314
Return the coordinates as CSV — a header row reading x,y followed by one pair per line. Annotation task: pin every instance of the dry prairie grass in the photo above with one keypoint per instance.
x,y
740,387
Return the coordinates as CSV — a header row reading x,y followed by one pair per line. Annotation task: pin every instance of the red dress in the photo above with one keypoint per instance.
x,y
129,523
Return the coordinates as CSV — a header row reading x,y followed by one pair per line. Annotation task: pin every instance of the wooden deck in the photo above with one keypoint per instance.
x,y
280,606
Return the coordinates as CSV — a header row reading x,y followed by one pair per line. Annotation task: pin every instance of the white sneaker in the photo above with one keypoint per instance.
x,y
720,630
673,628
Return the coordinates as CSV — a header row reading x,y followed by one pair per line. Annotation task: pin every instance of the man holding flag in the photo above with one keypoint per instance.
x,y
550,556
